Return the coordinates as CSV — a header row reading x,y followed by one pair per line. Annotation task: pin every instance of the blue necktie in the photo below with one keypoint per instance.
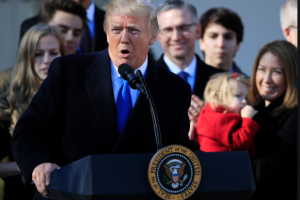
x,y
124,105
183,75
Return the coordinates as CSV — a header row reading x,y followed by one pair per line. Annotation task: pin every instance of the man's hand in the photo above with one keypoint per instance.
x,y
195,108
41,176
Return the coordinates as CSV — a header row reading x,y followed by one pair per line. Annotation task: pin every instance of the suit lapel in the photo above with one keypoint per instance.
x,y
100,91
141,114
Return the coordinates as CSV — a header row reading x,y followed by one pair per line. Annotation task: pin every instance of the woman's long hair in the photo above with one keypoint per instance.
x,y
287,56
25,82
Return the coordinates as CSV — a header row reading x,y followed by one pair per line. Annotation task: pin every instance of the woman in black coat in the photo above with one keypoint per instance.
x,y
274,95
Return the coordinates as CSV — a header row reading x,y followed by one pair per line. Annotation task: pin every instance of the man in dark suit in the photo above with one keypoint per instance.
x,y
178,32
94,36
84,107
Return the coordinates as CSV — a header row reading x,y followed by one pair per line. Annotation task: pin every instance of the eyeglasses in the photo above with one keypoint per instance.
x,y
182,29
291,26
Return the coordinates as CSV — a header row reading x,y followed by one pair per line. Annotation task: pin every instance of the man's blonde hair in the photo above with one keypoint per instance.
x,y
134,8
221,87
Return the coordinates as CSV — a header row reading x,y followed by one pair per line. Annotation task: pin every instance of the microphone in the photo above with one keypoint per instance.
x,y
138,82
128,74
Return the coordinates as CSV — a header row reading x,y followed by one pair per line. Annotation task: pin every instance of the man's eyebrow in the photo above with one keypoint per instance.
x,y
132,26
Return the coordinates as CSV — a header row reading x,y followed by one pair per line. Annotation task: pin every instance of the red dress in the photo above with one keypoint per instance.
x,y
219,131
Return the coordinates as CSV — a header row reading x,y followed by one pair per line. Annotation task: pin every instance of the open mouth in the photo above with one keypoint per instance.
x,y
125,51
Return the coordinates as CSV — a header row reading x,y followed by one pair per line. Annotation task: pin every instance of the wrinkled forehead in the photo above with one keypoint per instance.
x,y
182,13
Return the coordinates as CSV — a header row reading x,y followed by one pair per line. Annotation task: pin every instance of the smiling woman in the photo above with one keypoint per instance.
x,y
274,93
39,46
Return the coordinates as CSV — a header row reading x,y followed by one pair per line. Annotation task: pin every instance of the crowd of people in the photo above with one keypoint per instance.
x,y
52,116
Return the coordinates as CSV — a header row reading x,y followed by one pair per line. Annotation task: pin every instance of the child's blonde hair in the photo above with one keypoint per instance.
x,y
221,87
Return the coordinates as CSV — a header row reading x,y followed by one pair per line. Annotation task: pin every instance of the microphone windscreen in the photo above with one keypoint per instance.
x,y
123,68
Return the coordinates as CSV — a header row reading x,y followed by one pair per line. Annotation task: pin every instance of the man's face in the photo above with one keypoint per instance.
x,y
129,40
219,45
177,33
70,26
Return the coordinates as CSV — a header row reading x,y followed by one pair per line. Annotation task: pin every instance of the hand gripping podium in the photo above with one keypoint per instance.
x,y
225,175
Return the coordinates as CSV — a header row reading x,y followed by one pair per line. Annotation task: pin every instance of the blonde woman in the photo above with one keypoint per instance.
x,y
39,46
274,95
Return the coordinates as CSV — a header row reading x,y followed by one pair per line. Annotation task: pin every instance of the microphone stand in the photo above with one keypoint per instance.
x,y
153,111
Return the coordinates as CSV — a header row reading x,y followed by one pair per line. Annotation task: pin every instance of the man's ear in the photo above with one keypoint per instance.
x,y
287,34
202,45
198,31
152,40
237,47
107,37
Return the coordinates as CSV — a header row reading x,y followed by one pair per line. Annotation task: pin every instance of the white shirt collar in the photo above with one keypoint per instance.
x,y
90,12
115,74
190,69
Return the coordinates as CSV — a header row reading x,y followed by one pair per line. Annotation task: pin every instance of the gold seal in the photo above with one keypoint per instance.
x,y
174,172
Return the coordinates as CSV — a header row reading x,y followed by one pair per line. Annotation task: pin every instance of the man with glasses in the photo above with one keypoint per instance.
x,y
288,20
178,31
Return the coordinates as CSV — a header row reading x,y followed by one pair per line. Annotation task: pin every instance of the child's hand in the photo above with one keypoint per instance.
x,y
248,112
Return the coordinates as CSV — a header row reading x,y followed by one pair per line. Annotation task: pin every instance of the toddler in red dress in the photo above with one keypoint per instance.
x,y
226,124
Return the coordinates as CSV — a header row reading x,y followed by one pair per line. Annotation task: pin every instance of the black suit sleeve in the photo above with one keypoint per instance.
x,y
32,143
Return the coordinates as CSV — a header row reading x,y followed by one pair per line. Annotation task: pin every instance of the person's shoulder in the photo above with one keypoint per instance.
x,y
238,70
99,11
203,67
78,59
30,21
171,79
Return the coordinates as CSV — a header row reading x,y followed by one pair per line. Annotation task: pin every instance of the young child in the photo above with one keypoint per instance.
x,y
225,124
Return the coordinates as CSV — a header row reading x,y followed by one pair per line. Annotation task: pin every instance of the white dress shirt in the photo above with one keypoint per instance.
x,y
190,70
117,81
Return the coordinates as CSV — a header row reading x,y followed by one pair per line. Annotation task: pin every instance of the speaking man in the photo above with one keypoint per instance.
x,y
84,107
288,21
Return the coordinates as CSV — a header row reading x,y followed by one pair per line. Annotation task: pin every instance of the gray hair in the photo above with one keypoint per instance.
x,y
288,13
178,4
135,8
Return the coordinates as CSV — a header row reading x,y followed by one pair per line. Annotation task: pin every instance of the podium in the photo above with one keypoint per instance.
x,y
225,175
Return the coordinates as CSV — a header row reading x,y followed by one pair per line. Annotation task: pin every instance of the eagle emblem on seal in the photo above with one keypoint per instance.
x,y
174,170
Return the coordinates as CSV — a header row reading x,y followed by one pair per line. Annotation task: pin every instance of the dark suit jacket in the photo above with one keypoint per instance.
x,y
275,165
99,41
203,72
74,114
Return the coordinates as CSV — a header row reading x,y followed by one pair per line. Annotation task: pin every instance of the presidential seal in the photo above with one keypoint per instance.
x,y
174,172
